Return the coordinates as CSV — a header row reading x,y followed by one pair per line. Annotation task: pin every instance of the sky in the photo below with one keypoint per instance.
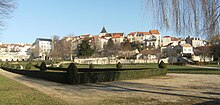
x,y
44,18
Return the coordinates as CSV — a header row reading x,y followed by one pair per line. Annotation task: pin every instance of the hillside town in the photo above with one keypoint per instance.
x,y
106,47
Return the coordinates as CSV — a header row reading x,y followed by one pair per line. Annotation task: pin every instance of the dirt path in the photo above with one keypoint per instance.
x,y
170,89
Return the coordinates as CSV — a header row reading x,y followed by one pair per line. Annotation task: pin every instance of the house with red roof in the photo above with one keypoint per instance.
x,y
166,40
151,38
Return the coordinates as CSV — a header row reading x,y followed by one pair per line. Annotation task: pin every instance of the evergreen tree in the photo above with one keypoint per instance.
x,y
110,44
85,49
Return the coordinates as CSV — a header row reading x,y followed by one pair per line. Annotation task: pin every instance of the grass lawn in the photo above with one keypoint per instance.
x,y
191,70
14,93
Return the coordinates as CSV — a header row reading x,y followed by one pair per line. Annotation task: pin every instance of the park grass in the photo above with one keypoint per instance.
x,y
192,70
14,93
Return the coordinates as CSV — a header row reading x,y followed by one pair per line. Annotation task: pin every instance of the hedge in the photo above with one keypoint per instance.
x,y
92,77
60,77
96,75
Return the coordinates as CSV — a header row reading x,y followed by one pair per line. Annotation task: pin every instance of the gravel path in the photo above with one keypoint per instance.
x,y
170,89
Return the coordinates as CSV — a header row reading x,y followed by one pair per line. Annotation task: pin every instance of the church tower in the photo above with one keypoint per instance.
x,y
103,32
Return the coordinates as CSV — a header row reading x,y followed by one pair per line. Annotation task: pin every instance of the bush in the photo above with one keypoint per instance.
x,y
12,66
52,65
72,72
162,65
28,66
119,65
91,66
6,65
43,67
61,65
48,62
18,67
105,76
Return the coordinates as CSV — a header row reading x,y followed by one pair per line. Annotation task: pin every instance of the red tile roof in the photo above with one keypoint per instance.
x,y
174,39
145,33
154,32
116,36
166,37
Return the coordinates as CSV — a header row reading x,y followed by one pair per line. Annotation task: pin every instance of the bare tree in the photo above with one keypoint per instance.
x,y
6,8
200,17
61,48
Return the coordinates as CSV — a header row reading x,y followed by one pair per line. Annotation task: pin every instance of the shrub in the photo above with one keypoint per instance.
x,y
18,67
12,66
43,67
52,65
28,66
119,65
91,66
105,76
6,65
72,72
162,65
48,62
61,65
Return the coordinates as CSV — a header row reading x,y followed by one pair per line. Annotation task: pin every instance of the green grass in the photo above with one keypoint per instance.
x,y
191,70
14,93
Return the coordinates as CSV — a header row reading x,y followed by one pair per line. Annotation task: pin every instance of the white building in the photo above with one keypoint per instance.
x,y
151,38
14,52
187,49
41,48
168,40
195,42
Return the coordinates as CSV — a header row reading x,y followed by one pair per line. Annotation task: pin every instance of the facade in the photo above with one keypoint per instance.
x,y
41,48
168,40
14,52
151,38
195,42
187,49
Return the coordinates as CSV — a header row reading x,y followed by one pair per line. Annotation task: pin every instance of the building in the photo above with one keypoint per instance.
x,y
41,48
195,42
168,40
151,38
186,49
14,52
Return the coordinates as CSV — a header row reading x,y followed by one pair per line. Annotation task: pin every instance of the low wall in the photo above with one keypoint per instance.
x,y
112,61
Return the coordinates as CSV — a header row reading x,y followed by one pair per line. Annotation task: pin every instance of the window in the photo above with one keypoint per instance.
x,y
189,49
